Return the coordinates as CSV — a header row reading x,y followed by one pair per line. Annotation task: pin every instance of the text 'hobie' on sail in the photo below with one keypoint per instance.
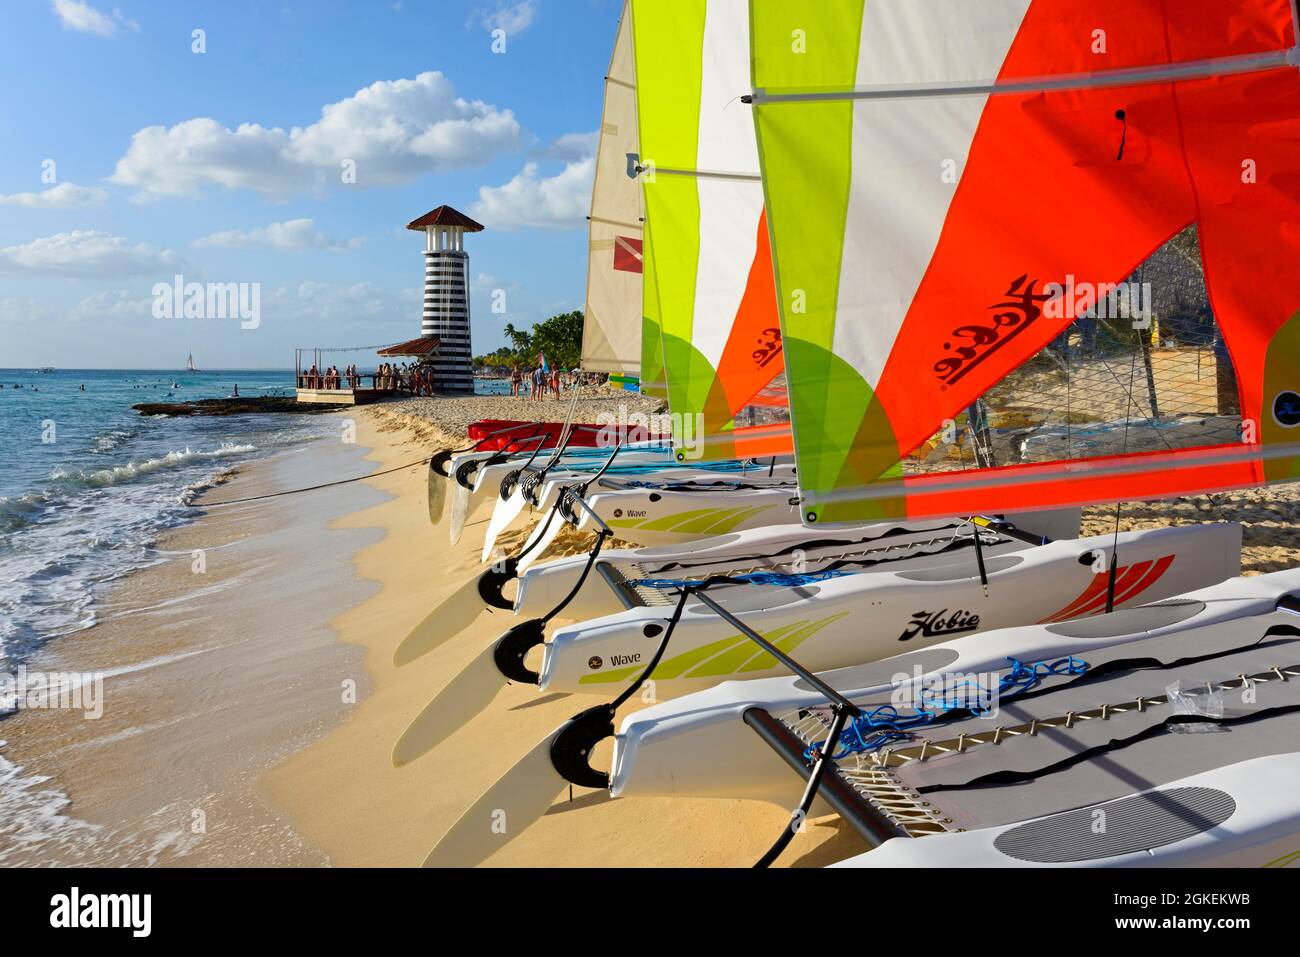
x,y
1078,217
709,281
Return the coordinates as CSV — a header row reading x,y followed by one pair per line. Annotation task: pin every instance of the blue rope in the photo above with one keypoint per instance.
x,y
884,725
714,467
648,468
776,579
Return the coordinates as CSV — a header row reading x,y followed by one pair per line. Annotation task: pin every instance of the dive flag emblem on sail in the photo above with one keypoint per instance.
x,y
709,259
627,254
945,178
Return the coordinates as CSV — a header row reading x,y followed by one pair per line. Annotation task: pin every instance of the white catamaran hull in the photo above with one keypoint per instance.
x,y
545,585
674,516
651,517
875,614
1262,831
466,499
699,746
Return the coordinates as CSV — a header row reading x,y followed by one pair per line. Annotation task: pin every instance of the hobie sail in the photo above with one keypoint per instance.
x,y
711,273
943,176
611,332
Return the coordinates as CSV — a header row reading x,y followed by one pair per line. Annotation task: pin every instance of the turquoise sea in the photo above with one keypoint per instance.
x,y
88,484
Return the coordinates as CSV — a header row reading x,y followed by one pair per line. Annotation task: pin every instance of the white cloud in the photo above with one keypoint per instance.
x,y
513,18
86,253
63,196
572,146
121,304
179,160
29,310
532,202
307,303
290,234
318,302
24,309
83,18
393,130
485,280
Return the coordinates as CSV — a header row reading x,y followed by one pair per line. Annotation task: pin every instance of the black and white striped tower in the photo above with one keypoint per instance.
x,y
446,296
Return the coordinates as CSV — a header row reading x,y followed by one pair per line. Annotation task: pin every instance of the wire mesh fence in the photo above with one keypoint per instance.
x,y
1143,368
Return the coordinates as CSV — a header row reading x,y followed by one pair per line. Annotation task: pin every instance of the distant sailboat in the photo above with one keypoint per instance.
x,y
189,364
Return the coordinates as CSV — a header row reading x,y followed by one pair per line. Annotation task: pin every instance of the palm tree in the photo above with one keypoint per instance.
x,y
518,338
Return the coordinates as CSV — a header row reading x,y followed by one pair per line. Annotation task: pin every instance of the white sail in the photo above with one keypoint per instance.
x,y
611,335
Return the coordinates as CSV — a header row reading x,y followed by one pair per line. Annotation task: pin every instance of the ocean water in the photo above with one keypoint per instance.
x,y
88,485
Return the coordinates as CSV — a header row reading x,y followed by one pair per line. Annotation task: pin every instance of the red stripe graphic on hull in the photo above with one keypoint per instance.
x,y
1130,581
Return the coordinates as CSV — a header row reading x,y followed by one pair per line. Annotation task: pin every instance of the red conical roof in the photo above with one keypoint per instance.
x,y
445,216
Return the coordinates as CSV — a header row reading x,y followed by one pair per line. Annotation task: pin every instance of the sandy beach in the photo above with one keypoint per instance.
x,y
217,663
251,703
251,706
406,809
345,797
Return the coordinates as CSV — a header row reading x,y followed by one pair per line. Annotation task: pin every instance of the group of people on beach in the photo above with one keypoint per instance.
x,y
417,379
543,382
331,378
389,377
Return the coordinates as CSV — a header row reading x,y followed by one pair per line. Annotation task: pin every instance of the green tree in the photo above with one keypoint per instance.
x,y
518,339
559,338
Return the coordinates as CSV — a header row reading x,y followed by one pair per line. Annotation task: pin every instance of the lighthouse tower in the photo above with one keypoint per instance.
x,y
446,296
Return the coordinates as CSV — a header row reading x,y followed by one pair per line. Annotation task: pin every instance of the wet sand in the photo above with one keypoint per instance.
x,y
218,663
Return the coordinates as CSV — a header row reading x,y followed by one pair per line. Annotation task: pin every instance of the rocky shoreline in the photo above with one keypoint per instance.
x,y
250,406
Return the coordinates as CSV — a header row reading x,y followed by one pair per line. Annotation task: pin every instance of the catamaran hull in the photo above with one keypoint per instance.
x,y
700,746
875,614
542,587
1262,831
515,510
487,480
443,488
471,488
650,517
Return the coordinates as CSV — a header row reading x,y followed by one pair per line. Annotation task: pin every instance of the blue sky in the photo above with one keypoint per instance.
x,y
227,166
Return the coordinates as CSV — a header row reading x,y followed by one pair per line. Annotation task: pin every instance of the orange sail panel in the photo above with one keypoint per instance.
x,y
999,234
